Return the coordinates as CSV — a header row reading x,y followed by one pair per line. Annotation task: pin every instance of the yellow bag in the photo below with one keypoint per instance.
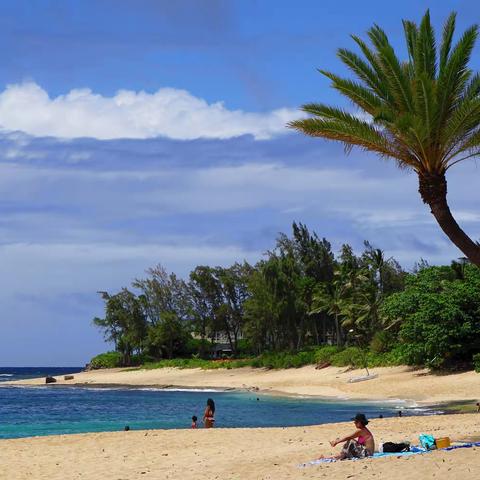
x,y
443,442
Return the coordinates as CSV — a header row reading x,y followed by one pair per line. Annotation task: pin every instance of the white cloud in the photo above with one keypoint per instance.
x,y
168,112
54,268
199,190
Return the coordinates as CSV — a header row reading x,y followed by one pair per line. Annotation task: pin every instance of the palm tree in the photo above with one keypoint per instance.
x,y
424,112
329,299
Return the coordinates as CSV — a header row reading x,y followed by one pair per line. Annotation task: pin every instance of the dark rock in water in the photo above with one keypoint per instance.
x,y
68,377
50,380
127,428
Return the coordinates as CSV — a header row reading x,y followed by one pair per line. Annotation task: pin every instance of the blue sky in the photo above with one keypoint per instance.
x,y
144,132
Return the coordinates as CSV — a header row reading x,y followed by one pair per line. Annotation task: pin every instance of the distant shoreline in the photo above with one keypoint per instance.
x,y
393,383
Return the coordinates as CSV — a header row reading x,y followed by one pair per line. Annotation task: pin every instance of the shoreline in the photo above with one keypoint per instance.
x,y
403,384
406,403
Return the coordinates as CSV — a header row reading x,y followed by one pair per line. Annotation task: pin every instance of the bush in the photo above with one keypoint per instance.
x,y
349,357
352,356
382,342
439,312
476,362
106,360
284,360
196,346
386,359
244,348
325,354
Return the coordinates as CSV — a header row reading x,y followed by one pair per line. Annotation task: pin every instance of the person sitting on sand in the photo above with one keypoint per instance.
x,y
209,415
359,444
194,422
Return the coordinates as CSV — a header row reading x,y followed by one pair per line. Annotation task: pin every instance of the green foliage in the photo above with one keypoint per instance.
x,y
168,338
349,357
325,354
383,341
124,324
438,316
277,312
476,362
267,360
413,104
422,111
115,360
195,346
286,359
290,308
106,360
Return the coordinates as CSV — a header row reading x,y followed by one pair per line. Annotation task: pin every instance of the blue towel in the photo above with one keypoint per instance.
x,y
413,451
463,445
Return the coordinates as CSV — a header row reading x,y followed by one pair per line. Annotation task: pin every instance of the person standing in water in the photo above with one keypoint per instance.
x,y
194,422
209,415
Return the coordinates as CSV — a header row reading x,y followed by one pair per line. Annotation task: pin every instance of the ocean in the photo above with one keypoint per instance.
x,y
48,410
20,373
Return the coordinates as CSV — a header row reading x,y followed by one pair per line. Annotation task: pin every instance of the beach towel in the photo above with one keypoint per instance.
x,y
463,445
413,451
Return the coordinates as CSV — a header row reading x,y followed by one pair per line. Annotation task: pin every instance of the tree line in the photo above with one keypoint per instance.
x,y
300,296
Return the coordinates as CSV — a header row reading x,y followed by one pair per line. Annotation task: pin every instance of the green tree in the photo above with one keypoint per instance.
x,y
261,313
437,316
331,300
233,282
164,294
207,300
168,338
423,112
124,324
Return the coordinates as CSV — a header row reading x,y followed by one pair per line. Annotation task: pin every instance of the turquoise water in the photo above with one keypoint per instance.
x,y
47,410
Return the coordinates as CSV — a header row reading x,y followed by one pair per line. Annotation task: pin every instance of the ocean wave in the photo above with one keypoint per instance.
x,y
105,388
149,389
201,390
6,374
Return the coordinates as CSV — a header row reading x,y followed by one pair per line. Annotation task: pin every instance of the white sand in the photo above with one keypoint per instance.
x,y
240,454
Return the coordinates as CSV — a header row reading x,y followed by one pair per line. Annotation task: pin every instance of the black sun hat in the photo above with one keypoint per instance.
x,y
360,417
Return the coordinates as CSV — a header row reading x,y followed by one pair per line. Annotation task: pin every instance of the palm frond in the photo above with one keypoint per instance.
x,y
363,71
411,35
398,82
448,30
425,52
357,93
336,124
376,67
454,76
472,89
425,111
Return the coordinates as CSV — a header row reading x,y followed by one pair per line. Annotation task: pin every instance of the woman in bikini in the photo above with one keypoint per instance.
x,y
209,415
359,444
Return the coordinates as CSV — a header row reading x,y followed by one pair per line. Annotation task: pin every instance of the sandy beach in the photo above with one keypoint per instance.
x,y
418,386
271,453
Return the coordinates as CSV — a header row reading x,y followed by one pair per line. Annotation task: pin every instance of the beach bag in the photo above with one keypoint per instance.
x,y
427,441
391,447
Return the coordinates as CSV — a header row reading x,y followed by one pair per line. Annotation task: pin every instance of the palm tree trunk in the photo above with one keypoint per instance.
x,y
433,190
338,331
